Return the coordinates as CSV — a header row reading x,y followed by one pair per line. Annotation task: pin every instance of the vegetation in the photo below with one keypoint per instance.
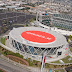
x,y
3,40
26,25
30,4
3,29
30,12
6,52
33,63
61,70
48,65
27,8
56,62
65,60
70,44
17,59
1,71
70,49
33,19
53,66
70,37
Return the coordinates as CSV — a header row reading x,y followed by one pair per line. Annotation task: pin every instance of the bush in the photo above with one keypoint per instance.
x,y
33,19
18,55
5,52
14,54
26,24
1,71
3,40
27,8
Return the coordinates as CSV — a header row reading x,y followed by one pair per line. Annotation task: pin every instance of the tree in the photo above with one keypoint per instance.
x,y
27,8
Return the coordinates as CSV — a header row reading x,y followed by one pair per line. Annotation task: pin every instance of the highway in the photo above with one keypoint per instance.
x,y
12,67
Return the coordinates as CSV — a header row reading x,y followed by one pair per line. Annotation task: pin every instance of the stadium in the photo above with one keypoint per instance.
x,y
32,42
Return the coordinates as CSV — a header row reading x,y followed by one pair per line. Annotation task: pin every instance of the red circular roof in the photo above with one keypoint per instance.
x,y
38,36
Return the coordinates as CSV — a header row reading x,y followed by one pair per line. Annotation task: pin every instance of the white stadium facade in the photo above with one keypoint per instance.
x,y
32,42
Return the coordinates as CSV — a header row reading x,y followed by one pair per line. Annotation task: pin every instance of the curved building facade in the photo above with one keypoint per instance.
x,y
61,21
32,42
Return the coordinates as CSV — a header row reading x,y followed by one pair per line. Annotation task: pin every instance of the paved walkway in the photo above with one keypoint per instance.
x,y
11,66
16,65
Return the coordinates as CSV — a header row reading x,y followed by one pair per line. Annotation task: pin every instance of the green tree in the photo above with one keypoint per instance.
x,y
27,8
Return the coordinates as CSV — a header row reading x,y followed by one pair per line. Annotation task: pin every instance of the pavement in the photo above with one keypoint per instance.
x,y
10,66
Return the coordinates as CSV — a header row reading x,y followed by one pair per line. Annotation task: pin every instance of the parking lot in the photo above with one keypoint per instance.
x,y
9,18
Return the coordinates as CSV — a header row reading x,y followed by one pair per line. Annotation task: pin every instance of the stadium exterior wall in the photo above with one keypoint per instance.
x,y
35,52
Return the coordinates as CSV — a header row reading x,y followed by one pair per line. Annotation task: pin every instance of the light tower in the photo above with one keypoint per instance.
x,y
43,61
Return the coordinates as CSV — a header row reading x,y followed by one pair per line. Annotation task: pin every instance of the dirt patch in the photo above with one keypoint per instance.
x,y
17,59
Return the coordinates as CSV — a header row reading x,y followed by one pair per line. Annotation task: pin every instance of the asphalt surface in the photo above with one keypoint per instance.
x,y
10,18
12,67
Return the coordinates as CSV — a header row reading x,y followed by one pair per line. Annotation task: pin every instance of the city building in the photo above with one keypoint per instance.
x,y
62,21
59,20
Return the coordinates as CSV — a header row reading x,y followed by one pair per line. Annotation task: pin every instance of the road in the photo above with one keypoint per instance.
x,y
12,67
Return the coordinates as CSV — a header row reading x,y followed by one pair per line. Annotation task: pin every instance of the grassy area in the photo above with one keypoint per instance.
x,y
49,65
1,71
3,40
33,63
65,60
26,25
69,37
70,49
53,66
61,70
56,62
6,52
33,19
